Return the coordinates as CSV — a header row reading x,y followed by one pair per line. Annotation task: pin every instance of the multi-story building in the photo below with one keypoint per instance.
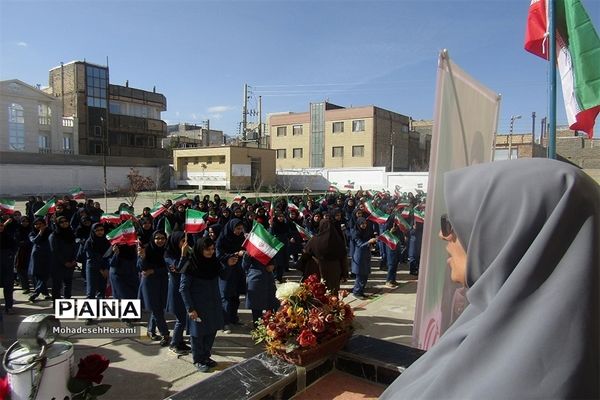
x,y
330,136
112,119
190,135
32,121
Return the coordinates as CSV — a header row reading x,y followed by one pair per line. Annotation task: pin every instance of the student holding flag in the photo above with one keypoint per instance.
x,y
96,263
232,282
41,258
362,238
281,230
154,285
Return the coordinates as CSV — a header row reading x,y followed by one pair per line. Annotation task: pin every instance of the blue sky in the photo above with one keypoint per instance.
x,y
199,54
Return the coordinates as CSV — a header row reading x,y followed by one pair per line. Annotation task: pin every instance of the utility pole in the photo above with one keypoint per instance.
x,y
533,127
104,145
259,120
245,113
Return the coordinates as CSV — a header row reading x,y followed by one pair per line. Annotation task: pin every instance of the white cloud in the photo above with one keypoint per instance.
x,y
194,116
216,116
218,109
22,44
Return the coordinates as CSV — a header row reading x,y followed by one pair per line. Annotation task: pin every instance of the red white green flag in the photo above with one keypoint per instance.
x,y
376,215
349,185
577,55
123,234
261,245
389,239
157,210
181,199
125,212
48,208
237,199
419,215
332,187
76,193
194,221
168,227
401,223
7,206
114,219
291,206
406,213
304,233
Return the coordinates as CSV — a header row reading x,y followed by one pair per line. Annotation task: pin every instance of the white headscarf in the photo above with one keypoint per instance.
x,y
531,229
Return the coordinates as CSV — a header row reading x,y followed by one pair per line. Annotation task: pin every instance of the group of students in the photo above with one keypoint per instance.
x,y
199,277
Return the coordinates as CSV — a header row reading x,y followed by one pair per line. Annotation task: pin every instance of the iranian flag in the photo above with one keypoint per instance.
x,y
291,206
194,221
265,204
375,214
123,234
114,219
237,199
181,199
402,205
261,245
48,208
125,212
332,187
157,210
7,206
406,213
76,193
305,234
578,52
401,223
389,239
168,227
419,215
349,185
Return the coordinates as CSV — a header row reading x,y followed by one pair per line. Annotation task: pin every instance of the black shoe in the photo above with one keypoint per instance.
x,y
47,297
153,336
178,350
210,362
184,347
164,342
33,298
26,291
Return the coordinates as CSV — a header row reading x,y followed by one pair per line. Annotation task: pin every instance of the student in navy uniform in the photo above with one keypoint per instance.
x,y
40,264
23,254
281,230
260,292
231,278
362,238
8,248
64,255
202,298
154,284
175,303
124,276
96,263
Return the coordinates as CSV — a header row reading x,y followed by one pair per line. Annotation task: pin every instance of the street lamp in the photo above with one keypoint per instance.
x,y
104,145
512,122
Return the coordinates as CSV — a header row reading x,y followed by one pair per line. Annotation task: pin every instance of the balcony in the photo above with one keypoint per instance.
x,y
45,150
45,122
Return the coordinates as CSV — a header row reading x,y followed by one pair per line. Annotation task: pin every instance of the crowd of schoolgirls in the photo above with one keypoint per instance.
x,y
199,277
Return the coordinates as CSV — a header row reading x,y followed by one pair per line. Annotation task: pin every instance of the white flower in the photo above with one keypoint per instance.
x,y
287,290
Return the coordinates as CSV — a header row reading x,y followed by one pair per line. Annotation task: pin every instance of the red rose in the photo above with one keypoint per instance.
x,y
307,339
317,326
92,367
4,388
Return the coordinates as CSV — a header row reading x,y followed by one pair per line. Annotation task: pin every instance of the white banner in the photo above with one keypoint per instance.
x,y
464,127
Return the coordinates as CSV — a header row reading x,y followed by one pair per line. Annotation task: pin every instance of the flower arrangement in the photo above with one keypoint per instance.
x,y
308,316
90,370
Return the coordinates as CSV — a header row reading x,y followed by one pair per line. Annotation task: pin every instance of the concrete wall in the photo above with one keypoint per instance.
x,y
368,178
55,173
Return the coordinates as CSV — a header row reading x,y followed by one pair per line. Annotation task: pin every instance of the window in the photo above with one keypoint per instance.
x,y
67,142
358,151
337,127
96,148
16,127
281,153
97,131
281,130
297,153
44,114
404,128
297,130
96,84
44,143
358,125
337,151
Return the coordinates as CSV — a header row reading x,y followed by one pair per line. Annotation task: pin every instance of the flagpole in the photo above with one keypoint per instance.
x,y
552,88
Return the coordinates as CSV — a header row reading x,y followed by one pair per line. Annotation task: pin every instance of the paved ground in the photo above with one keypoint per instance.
x,y
141,369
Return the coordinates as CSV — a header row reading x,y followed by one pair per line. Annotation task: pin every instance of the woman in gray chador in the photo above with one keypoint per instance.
x,y
530,262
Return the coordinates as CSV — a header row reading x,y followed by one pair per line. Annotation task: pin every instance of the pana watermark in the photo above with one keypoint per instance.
x,y
73,309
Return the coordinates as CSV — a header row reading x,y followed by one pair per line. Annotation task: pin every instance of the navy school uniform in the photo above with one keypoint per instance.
x,y
203,296
361,261
175,304
260,294
154,288
95,261
40,263
8,248
63,251
123,274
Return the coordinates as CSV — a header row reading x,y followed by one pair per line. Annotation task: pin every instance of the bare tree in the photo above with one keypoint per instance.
x,y
137,183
